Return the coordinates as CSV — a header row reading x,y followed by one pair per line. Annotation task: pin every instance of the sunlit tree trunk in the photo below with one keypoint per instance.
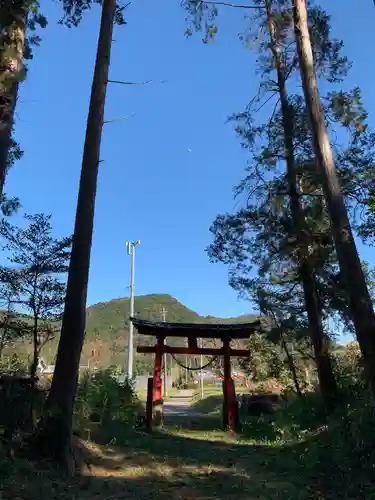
x,y
360,303
319,339
57,427
13,19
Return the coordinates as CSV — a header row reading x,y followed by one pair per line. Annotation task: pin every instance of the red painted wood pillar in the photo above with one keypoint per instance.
x,y
157,396
149,404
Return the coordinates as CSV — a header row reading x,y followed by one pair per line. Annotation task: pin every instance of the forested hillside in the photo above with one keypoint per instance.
x,y
108,323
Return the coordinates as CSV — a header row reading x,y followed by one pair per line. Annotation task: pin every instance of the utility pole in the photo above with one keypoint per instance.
x,y
165,371
131,251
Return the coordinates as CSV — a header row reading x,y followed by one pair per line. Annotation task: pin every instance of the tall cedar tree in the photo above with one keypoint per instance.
x,y
263,235
279,45
56,430
18,22
326,51
306,272
350,266
34,281
16,17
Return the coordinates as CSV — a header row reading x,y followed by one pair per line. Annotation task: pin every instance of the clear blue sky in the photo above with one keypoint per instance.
x,y
150,186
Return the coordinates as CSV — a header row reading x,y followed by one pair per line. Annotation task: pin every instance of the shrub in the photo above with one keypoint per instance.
x,y
13,365
349,367
299,417
336,449
104,404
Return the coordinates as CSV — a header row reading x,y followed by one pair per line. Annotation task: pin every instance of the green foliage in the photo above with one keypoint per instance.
x,y
265,360
9,206
75,9
335,451
104,404
301,416
293,256
33,280
349,367
13,365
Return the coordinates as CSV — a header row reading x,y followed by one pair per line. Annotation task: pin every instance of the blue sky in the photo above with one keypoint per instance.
x,y
151,187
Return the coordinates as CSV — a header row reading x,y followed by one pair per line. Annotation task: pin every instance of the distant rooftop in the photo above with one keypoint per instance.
x,y
202,330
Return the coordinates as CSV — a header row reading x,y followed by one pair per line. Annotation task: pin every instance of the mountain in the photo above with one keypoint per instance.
x,y
110,319
107,328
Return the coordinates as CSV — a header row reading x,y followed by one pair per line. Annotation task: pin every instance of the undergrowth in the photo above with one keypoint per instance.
x,y
324,455
103,405
336,449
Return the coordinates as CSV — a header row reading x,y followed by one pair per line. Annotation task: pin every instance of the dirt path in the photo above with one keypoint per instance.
x,y
180,405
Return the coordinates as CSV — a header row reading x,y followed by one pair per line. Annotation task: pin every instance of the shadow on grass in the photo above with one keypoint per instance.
x,y
164,465
199,423
198,462
157,466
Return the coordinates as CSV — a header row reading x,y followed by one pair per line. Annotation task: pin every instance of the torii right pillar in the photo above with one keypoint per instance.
x,y
230,406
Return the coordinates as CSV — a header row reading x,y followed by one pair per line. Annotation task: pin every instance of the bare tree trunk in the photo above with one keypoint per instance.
x,y
57,427
292,366
327,380
34,364
350,266
12,40
2,340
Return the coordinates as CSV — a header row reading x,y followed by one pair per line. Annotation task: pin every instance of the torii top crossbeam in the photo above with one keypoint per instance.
x,y
233,331
192,331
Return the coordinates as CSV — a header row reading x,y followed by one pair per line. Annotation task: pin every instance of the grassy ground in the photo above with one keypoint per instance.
x,y
212,403
142,394
172,464
295,456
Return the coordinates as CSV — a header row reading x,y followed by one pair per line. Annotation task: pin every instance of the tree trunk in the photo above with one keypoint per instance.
x,y
34,364
56,430
351,272
2,340
327,380
292,367
12,40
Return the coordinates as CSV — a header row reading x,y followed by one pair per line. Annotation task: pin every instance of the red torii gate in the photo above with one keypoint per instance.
x,y
193,331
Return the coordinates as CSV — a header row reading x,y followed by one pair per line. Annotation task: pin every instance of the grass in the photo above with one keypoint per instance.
x,y
212,403
171,464
297,455
142,394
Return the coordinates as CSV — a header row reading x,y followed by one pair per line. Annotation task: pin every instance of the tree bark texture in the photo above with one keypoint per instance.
x,y
13,20
319,339
351,272
57,427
